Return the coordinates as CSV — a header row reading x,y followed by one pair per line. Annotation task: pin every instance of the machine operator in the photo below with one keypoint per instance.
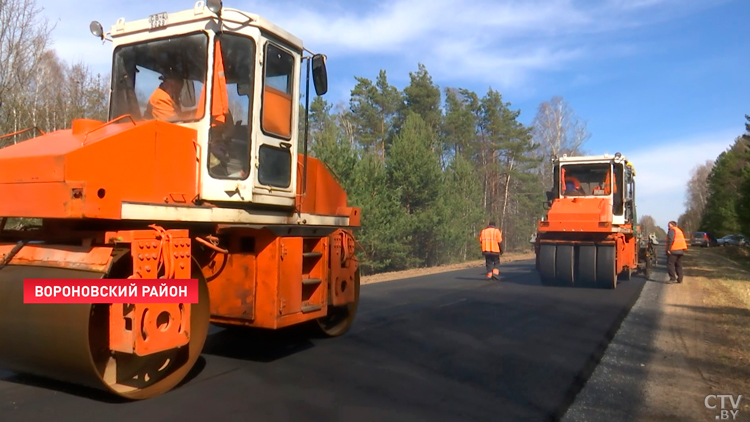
x,y
164,102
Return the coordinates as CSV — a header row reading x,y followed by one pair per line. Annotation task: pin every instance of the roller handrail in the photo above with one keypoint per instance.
x,y
22,131
85,137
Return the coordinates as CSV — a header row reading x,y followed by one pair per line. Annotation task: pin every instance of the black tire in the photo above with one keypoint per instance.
x,y
565,264
606,267
587,265
547,254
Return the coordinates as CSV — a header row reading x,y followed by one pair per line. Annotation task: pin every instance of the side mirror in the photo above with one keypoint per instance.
x,y
550,196
320,75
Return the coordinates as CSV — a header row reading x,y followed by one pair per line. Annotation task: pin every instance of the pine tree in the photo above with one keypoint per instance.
x,y
414,172
422,97
383,231
459,124
725,183
373,108
743,202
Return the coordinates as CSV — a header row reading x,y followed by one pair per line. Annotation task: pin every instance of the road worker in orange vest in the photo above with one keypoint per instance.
x,y
491,240
676,247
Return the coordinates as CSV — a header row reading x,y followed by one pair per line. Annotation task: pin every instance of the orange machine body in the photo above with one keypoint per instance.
x,y
91,170
77,173
581,240
261,275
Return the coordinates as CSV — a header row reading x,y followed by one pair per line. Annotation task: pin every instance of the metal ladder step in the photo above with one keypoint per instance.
x,y
311,308
311,281
312,255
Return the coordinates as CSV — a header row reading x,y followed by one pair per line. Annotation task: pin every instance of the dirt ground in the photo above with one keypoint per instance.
x,y
703,346
397,275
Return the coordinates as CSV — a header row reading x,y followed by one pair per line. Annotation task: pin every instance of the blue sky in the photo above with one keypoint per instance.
x,y
665,82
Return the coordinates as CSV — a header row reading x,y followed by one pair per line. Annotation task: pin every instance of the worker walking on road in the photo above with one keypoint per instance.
x,y
676,247
491,239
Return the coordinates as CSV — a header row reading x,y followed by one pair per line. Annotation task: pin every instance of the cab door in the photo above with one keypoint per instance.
x,y
275,149
227,173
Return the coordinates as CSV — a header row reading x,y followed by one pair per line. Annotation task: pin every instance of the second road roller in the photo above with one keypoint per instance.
x,y
589,236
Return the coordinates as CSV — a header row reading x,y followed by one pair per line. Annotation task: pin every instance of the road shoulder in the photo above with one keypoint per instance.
x,y
679,344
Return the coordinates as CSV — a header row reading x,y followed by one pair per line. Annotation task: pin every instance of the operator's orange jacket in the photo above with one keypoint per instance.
x,y
490,238
679,243
161,105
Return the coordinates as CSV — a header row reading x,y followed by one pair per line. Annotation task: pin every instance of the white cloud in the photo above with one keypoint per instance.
x,y
502,67
504,43
663,169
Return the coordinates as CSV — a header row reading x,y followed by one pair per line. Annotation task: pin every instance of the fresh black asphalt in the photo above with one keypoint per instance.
x,y
442,347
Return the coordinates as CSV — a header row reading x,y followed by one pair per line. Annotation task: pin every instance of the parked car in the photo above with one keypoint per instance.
x,y
703,239
734,240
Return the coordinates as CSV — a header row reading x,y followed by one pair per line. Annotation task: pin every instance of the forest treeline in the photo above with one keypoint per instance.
x,y
718,192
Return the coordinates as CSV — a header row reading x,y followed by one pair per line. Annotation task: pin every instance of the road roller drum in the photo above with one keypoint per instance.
x,y
71,342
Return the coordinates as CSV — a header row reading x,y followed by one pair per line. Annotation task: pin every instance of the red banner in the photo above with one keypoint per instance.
x,y
109,291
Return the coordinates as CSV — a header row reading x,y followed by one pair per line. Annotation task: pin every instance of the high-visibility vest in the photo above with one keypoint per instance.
x,y
161,106
490,239
679,243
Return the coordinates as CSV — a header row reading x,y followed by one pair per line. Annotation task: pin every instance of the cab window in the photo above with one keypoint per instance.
x,y
229,137
277,92
586,179
159,79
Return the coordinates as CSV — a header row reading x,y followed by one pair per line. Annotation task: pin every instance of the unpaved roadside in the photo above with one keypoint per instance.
x,y
703,345
680,344
416,272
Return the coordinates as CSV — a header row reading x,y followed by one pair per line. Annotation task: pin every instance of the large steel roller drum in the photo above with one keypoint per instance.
x,y
69,342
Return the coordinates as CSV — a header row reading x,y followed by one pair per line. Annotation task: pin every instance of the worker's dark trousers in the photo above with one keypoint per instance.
x,y
674,267
492,261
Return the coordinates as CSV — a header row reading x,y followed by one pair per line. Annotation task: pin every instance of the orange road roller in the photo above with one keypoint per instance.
x,y
589,236
195,175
